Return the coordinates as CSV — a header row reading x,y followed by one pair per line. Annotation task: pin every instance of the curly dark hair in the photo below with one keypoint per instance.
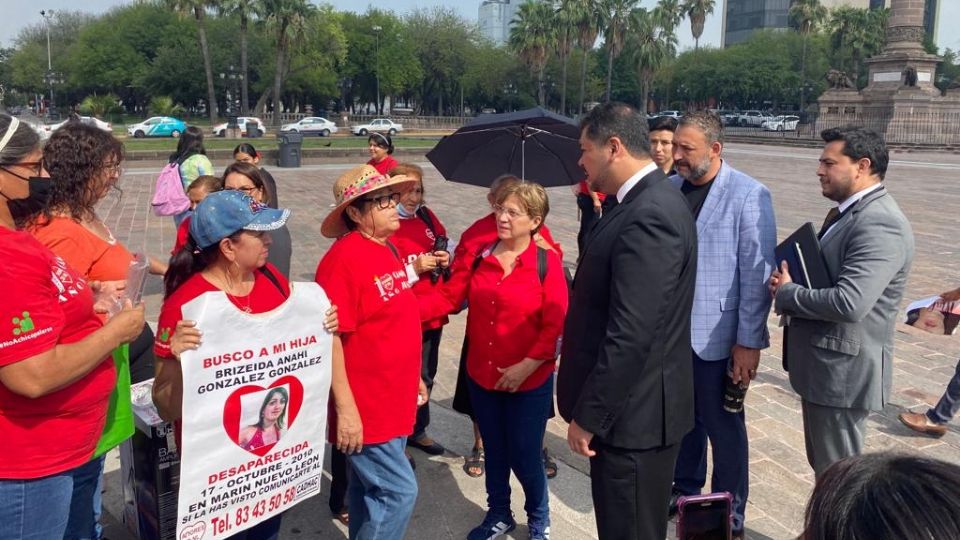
x,y
75,156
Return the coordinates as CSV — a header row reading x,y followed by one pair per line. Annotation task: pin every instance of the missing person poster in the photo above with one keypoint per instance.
x,y
254,412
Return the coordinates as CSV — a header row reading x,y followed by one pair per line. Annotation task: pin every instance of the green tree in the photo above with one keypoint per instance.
x,y
806,16
650,43
443,42
99,105
245,11
532,32
198,10
697,11
165,106
289,19
616,17
565,30
588,19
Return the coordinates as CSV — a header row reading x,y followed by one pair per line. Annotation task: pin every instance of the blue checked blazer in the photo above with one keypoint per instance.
x,y
736,237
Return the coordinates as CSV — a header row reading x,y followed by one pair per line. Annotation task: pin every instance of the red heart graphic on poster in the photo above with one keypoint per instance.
x,y
234,412
194,532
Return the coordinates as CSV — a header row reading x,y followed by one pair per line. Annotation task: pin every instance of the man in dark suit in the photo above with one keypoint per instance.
x,y
625,380
839,348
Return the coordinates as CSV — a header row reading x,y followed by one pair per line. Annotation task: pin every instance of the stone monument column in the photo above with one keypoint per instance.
x,y
903,66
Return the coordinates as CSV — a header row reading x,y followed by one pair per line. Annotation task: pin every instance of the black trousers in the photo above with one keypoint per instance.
x,y
631,491
338,480
429,360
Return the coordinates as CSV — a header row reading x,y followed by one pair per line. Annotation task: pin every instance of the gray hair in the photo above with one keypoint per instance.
x,y
706,121
23,141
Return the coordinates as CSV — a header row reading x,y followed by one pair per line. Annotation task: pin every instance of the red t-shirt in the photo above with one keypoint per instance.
x,y
264,296
584,189
47,303
380,329
413,239
384,166
84,251
480,235
510,318
183,233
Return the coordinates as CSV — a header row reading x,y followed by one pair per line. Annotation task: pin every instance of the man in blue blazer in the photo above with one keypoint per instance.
x,y
736,235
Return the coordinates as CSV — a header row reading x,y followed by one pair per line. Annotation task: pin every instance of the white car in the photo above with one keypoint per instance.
x,y
781,123
672,114
379,125
311,125
89,120
752,118
220,130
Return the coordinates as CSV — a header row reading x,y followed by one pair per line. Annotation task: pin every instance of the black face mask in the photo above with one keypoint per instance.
x,y
23,209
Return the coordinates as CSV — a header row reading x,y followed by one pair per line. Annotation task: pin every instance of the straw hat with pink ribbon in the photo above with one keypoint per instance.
x,y
353,184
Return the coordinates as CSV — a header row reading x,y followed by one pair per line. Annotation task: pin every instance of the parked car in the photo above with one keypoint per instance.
x,y
752,118
157,126
672,114
781,123
220,130
311,125
89,120
380,125
729,118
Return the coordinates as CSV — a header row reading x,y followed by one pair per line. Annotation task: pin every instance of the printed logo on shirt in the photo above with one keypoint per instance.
x,y
431,236
391,285
164,335
23,324
65,283
25,330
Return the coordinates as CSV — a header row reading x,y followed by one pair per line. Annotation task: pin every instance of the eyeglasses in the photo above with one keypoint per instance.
x,y
246,190
510,212
383,201
35,165
113,168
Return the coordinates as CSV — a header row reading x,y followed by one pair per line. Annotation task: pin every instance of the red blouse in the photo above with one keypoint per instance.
x,y
510,318
385,165
413,239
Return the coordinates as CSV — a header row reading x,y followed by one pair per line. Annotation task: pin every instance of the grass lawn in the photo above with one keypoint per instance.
x,y
270,142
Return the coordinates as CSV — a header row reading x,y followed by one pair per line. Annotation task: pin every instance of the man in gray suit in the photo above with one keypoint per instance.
x,y
839,347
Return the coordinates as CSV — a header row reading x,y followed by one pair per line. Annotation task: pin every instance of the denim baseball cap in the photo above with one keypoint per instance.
x,y
223,213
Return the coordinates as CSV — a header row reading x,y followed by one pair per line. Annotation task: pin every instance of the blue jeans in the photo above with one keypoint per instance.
x,y
949,403
382,491
85,507
728,439
39,509
512,427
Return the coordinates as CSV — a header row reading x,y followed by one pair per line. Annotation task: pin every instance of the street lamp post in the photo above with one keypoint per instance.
x,y
376,32
232,78
49,77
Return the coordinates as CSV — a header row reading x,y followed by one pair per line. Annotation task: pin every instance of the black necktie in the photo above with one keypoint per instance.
x,y
833,216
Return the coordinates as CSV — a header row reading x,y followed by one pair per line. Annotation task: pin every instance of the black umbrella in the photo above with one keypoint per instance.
x,y
535,144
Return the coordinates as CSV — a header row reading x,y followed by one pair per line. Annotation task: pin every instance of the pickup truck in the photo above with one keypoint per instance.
x,y
752,118
379,125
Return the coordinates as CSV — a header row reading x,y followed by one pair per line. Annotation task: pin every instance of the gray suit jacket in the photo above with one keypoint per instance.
x,y
840,345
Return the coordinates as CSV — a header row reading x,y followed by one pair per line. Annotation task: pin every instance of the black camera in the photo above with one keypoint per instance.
x,y
441,243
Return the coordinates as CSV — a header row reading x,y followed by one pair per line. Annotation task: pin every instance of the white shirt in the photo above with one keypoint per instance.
x,y
634,180
848,202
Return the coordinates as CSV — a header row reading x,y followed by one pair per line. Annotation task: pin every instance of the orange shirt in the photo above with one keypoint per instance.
x,y
95,258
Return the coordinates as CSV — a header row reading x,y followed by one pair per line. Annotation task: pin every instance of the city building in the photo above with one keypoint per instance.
x,y
495,17
742,17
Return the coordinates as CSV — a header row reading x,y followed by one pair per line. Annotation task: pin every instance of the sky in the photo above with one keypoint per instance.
x,y
28,12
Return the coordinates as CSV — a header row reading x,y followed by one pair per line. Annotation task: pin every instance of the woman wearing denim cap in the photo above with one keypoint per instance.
x,y
227,251
380,325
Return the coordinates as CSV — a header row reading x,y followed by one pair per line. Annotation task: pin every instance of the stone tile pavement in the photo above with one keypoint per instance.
x,y
925,185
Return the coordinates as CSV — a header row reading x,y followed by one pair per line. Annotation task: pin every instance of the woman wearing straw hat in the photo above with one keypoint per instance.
x,y
380,328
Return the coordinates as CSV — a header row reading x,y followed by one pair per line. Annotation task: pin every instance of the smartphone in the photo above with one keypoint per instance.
x,y
705,517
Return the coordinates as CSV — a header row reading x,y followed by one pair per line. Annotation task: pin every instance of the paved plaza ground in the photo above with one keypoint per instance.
x,y
927,187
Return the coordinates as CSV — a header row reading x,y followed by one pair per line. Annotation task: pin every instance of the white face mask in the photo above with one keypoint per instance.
x,y
404,213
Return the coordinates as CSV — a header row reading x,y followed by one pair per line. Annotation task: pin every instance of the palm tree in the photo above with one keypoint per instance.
x,y
588,19
698,10
806,15
531,34
651,43
617,15
669,14
564,21
289,18
198,9
245,10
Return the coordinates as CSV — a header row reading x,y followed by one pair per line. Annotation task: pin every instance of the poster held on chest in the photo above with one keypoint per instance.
x,y
254,412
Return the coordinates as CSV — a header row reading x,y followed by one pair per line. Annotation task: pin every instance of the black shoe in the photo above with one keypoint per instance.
x,y
431,446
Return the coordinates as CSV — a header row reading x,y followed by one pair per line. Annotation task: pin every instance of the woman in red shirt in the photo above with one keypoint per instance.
x,y
518,299
418,235
227,251
362,273
56,373
381,151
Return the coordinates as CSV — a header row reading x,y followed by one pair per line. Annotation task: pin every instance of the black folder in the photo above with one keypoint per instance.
x,y
804,259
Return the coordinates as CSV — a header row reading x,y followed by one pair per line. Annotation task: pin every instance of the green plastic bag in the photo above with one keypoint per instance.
x,y
119,424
